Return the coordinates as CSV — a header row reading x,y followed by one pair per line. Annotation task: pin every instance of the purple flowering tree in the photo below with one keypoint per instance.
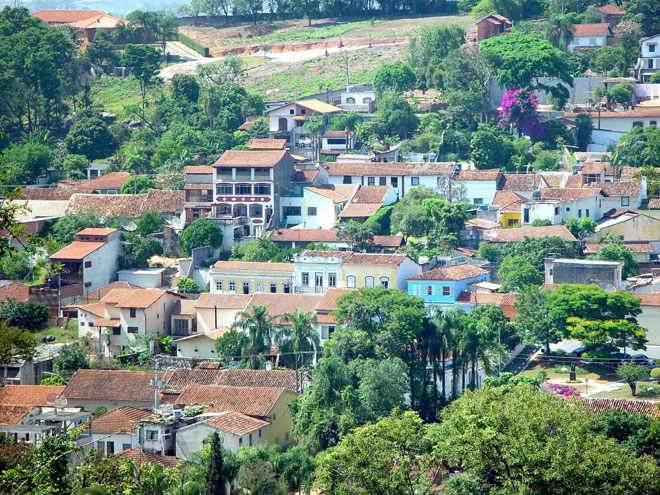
x,y
561,390
519,111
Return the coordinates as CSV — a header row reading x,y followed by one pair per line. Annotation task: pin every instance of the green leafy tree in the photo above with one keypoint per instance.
x,y
631,373
259,326
430,48
646,13
517,272
187,285
298,331
395,117
535,250
15,265
621,93
408,214
64,229
150,222
74,166
347,122
396,77
516,10
533,319
137,185
28,315
261,249
583,129
541,222
231,344
615,250
257,477
52,381
216,476
142,62
70,359
359,235
259,129
141,248
581,228
15,344
490,148
488,251
652,179
518,60
90,137
201,233
185,88
102,52
24,163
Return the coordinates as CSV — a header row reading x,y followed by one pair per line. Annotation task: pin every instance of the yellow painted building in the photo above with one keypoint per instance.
x,y
510,206
246,277
281,422
375,270
509,219
215,311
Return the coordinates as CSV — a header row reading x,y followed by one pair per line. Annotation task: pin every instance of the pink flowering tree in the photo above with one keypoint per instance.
x,y
519,111
561,390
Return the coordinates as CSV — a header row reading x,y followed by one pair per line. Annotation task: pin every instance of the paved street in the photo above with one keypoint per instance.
x,y
652,352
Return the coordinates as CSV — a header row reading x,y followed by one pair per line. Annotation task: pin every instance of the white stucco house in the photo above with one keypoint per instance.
x,y
648,62
558,205
478,186
589,36
287,121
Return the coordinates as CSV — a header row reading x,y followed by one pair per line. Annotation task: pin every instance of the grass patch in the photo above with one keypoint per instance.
x,y
645,390
595,372
114,94
565,369
62,335
253,61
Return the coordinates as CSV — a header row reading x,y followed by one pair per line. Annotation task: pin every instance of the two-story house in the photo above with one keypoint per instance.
x,y
366,202
492,25
92,260
247,187
558,205
335,143
288,121
250,277
444,284
198,191
479,186
123,314
401,176
648,62
589,36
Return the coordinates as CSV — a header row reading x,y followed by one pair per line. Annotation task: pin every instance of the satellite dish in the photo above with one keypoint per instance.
x,y
129,225
60,402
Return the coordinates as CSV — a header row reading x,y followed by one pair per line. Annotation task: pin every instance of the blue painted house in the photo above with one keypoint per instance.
x,y
443,285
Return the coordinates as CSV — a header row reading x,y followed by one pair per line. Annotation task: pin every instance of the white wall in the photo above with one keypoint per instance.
x,y
191,439
141,278
647,43
407,269
590,41
326,211
291,201
105,263
479,189
545,210
199,347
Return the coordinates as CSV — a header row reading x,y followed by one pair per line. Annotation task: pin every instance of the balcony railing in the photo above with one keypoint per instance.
x,y
307,289
228,220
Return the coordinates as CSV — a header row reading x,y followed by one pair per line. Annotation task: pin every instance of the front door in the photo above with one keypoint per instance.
x,y
318,284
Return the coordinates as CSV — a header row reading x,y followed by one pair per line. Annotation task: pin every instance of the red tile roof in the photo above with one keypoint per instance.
x,y
588,30
11,415
375,259
184,378
451,273
280,304
66,16
360,210
248,123
77,250
198,169
253,401
390,169
113,180
18,292
133,298
637,247
328,302
344,255
112,385
130,205
519,234
370,194
140,456
593,168
649,298
266,144
222,301
574,181
100,293
254,266
47,193
481,223
392,241
241,158
551,194
338,193
636,112
236,423
305,175
97,308
505,300
122,420
29,395
478,175
508,201
522,182
96,231
619,188
645,407
611,9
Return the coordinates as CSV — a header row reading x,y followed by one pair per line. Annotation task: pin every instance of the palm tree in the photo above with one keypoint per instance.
x,y
300,333
167,27
347,121
450,324
259,326
315,126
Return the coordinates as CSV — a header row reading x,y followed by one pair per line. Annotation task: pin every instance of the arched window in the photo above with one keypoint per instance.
x,y
282,124
638,123
385,282
350,282
368,281
350,100
366,100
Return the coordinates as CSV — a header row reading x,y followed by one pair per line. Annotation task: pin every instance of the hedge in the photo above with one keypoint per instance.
x,y
198,47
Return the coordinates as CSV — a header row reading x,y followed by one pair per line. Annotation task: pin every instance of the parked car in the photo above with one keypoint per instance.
x,y
617,357
642,359
48,338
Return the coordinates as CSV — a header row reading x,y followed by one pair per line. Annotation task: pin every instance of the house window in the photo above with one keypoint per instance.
x,y
302,111
88,284
586,212
429,290
414,181
243,189
650,63
132,329
258,286
371,181
394,181
250,439
292,211
350,100
246,287
273,288
180,326
511,222
240,441
88,264
109,448
348,179
304,279
225,189
262,189
382,181
368,281
446,290
651,48
625,200
350,282
291,112
556,210
311,211
287,287
232,287
259,433
332,280
318,280
654,122
125,446
579,213
82,323
152,435
385,282
133,312
223,210
218,285
116,331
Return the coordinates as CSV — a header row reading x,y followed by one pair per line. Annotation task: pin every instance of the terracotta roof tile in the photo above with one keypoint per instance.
x,y
453,273
305,175
478,175
334,134
333,192
236,423
359,210
248,123
574,181
198,169
619,188
611,9
280,304
636,112
344,255
77,250
522,182
493,298
387,169
124,419
224,301
103,21
112,385
645,407
465,251
649,298
266,144
653,204
65,16
370,194
97,308
304,235
392,241
328,302
108,205
140,456
375,259
587,30
184,378
29,395
134,298
241,158
553,180
113,180
482,224
96,231
326,318
508,201
637,247
47,194
253,401
567,194
164,201
108,323
318,106
11,415
593,168
519,234
18,292
252,266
